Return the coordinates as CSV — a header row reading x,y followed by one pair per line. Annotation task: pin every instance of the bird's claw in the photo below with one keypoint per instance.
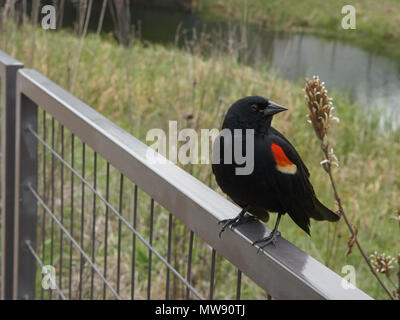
x,y
226,223
234,222
272,238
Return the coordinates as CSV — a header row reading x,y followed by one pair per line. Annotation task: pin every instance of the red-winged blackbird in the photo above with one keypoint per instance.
x,y
279,181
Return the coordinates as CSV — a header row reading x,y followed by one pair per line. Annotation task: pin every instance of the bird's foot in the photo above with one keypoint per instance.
x,y
234,222
272,238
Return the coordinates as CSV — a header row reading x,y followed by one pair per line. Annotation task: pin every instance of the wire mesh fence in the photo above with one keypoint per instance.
x,y
106,238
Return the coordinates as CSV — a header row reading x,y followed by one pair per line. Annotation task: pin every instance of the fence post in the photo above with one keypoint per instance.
x,y
8,73
26,154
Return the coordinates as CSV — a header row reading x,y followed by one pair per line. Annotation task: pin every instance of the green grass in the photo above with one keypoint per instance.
x,y
377,22
145,86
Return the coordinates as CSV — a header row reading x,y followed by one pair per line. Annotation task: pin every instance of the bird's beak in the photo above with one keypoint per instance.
x,y
273,108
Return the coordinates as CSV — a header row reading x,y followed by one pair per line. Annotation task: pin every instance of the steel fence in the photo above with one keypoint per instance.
x,y
113,225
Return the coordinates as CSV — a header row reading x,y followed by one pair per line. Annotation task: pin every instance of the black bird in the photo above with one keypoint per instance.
x,y
279,181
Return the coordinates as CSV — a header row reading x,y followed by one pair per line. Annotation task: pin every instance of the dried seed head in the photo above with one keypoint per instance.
x,y
351,241
381,262
319,106
320,115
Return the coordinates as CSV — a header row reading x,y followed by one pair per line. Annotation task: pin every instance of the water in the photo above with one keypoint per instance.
x,y
368,78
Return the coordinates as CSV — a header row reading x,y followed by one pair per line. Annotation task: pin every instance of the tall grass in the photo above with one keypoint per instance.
x,y
144,86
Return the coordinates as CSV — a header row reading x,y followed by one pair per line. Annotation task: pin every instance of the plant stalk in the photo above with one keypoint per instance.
x,y
328,169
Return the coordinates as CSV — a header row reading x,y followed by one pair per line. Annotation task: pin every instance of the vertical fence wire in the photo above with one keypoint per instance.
x,y
121,190
93,224
43,231
60,284
135,199
82,220
106,228
238,284
150,252
52,195
189,264
167,287
71,216
212,274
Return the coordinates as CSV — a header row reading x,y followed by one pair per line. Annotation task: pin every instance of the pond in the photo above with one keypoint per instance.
x,y
371,79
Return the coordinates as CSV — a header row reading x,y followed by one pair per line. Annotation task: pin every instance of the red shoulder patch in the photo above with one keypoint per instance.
x,y
279,155
283,164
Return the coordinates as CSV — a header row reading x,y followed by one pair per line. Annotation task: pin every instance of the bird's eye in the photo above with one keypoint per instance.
x,y
254,107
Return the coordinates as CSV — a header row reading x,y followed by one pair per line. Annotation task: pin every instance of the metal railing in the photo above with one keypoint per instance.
x,y
114,225
8,76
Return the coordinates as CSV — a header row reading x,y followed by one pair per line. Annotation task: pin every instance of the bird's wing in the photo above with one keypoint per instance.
x,y
289,177
275,132
289,169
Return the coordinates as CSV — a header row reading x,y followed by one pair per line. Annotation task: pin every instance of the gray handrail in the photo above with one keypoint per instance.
x,y
284,271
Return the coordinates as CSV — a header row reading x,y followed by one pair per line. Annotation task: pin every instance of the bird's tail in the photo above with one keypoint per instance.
x,y
323,213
